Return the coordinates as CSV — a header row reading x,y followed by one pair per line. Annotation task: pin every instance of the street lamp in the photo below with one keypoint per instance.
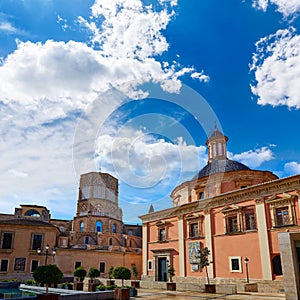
x,y
246,260
46,253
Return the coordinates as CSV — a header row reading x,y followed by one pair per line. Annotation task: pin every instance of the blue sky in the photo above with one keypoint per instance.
x,y
135,87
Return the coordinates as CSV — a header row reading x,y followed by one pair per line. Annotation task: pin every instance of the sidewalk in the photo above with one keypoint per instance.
x,y
176,295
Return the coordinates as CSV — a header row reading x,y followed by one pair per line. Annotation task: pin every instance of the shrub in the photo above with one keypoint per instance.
x,y
47,274
80,273
30,282
101,287
93,273
122,273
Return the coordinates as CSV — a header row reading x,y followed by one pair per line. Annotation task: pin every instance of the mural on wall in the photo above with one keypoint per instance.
x,y
194,248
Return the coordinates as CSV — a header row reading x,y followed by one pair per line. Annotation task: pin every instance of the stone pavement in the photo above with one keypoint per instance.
x,y
177,295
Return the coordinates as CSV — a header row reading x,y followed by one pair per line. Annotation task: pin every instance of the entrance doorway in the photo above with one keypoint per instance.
x,y
162,268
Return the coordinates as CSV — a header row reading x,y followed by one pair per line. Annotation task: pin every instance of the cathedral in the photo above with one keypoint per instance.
x,y
248,219
96,237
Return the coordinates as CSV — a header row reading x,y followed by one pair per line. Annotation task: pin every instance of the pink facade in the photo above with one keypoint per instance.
x,y
234,211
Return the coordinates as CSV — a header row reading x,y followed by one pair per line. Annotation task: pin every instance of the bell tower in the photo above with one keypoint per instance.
x,y
216,145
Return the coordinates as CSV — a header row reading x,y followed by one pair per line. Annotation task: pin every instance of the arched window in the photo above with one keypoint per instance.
x,y
98,226
32,213
130,233
81,226
114,228
110,241
86,240
276,261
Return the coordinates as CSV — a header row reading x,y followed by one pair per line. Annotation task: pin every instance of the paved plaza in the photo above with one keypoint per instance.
x,y
162,295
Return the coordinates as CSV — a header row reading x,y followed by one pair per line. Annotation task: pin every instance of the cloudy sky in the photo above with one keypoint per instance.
x,y
134,88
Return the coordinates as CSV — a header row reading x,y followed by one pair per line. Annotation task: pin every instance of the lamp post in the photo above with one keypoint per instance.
x,y
246,260
46,253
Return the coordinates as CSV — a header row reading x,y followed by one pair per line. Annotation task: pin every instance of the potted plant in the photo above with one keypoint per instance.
x,y
93,273
110,275
122,273
203,257
134,272
171,286
47,274
79,273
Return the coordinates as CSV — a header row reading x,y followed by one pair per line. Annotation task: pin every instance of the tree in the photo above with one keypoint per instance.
x,y
171,272
134,271
47,274
122,273
110,272
93,273
204,260
80,273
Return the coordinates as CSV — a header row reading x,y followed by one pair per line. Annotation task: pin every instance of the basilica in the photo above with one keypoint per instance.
x,y
248,219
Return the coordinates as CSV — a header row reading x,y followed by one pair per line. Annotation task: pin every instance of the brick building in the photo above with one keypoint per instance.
x,y
96,237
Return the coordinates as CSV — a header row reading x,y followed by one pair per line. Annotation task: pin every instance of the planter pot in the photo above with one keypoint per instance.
x,y
78,286
210,288
171,286
47,297
92,287
122,294
136,284
110,282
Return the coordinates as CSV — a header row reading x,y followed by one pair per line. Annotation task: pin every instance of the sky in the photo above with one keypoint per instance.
x,y
134,88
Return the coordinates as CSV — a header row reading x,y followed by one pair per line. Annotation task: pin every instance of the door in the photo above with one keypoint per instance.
x,y
162,268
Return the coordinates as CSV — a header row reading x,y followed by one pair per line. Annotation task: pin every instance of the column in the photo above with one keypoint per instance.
x,y
181,247
263,238
145,248
208,241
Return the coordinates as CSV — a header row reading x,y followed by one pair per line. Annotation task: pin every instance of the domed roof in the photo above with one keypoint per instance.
x,y
220,166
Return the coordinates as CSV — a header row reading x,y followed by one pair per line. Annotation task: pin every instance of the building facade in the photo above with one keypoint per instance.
x,y
96,237
248,219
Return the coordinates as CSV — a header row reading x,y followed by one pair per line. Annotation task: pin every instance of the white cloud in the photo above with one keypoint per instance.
x,y
276,66
46,85
292,168
253,158
285,7
7,27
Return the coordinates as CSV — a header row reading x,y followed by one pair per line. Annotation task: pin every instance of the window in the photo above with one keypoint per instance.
x,y
194,230
102,267
4,265
32,213
282,216
249,217
98,226
130,233
36,241
200,195
20,264
276,262
86,240
162,234
114,228
150,265
81,226
232,224
34,265
110,241
77,264
235,264
7,240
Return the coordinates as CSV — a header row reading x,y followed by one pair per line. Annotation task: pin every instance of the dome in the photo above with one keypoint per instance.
x,y
220,166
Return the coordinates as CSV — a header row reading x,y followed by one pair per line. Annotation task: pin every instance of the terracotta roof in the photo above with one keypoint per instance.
x,y
26,222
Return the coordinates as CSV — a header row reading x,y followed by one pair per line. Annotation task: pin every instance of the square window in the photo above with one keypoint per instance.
x,y
232,224
235,264
250,223
7,240
20,264
4,265
282,216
